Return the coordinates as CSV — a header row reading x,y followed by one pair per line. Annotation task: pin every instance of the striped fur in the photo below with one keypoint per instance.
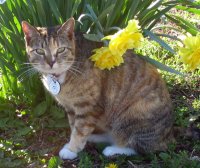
x,y
131,102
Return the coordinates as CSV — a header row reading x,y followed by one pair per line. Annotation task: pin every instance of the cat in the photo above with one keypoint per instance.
x,y
128,106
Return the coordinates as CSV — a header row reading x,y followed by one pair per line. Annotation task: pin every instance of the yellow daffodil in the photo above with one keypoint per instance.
x,y
190,53
111,56
104,59
133,26
124,41
127,38
111,165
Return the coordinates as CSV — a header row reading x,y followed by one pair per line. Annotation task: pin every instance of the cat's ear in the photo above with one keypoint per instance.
x,y
29,31
67,28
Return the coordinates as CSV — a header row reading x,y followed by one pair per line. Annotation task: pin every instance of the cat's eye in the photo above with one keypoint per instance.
x,y
61,50
40,51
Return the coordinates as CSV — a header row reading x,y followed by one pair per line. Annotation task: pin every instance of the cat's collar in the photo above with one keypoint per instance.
x,y
53,82
59,77
55,75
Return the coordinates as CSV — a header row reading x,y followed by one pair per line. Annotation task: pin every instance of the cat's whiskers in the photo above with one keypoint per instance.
x,y
25,67
27,73
29,63
76,70
72,62
71,68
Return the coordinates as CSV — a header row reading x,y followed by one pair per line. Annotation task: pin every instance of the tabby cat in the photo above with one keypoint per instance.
x,y
128,106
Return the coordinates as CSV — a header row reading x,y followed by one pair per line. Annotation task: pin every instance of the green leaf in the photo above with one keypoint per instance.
x,y
161,66
95,18
7,107
85,160
159,41
57,112
149,6
10,163
92,37
168,36
75,7
3,122
105,12
16,123
183,25
40,109
58,123
56,12
187,23
192,10
133,10
83,16
23,131
54,162
41,12
113,15
164,156
157,16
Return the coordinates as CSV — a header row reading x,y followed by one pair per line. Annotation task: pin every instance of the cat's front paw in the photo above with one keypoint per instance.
x,y
65,153
115,150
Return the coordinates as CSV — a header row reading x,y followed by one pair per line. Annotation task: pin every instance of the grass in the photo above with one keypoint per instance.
x,y
32,137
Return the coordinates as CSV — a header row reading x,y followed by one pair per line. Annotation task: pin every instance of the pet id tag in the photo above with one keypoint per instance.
x,y
53,85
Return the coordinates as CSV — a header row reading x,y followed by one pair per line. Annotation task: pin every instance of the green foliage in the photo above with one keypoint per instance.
x,y
161,66
174,160
40,109
54,162
85,161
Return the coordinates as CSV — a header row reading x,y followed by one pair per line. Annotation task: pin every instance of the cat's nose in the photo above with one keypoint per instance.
x,y
51,63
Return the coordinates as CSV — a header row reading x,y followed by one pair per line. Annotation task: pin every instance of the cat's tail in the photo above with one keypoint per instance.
x,y
190,132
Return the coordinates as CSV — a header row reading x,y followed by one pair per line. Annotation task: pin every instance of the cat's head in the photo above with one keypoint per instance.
x,y
50,50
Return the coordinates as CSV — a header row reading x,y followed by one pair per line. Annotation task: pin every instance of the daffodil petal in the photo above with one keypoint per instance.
x,y
104,59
